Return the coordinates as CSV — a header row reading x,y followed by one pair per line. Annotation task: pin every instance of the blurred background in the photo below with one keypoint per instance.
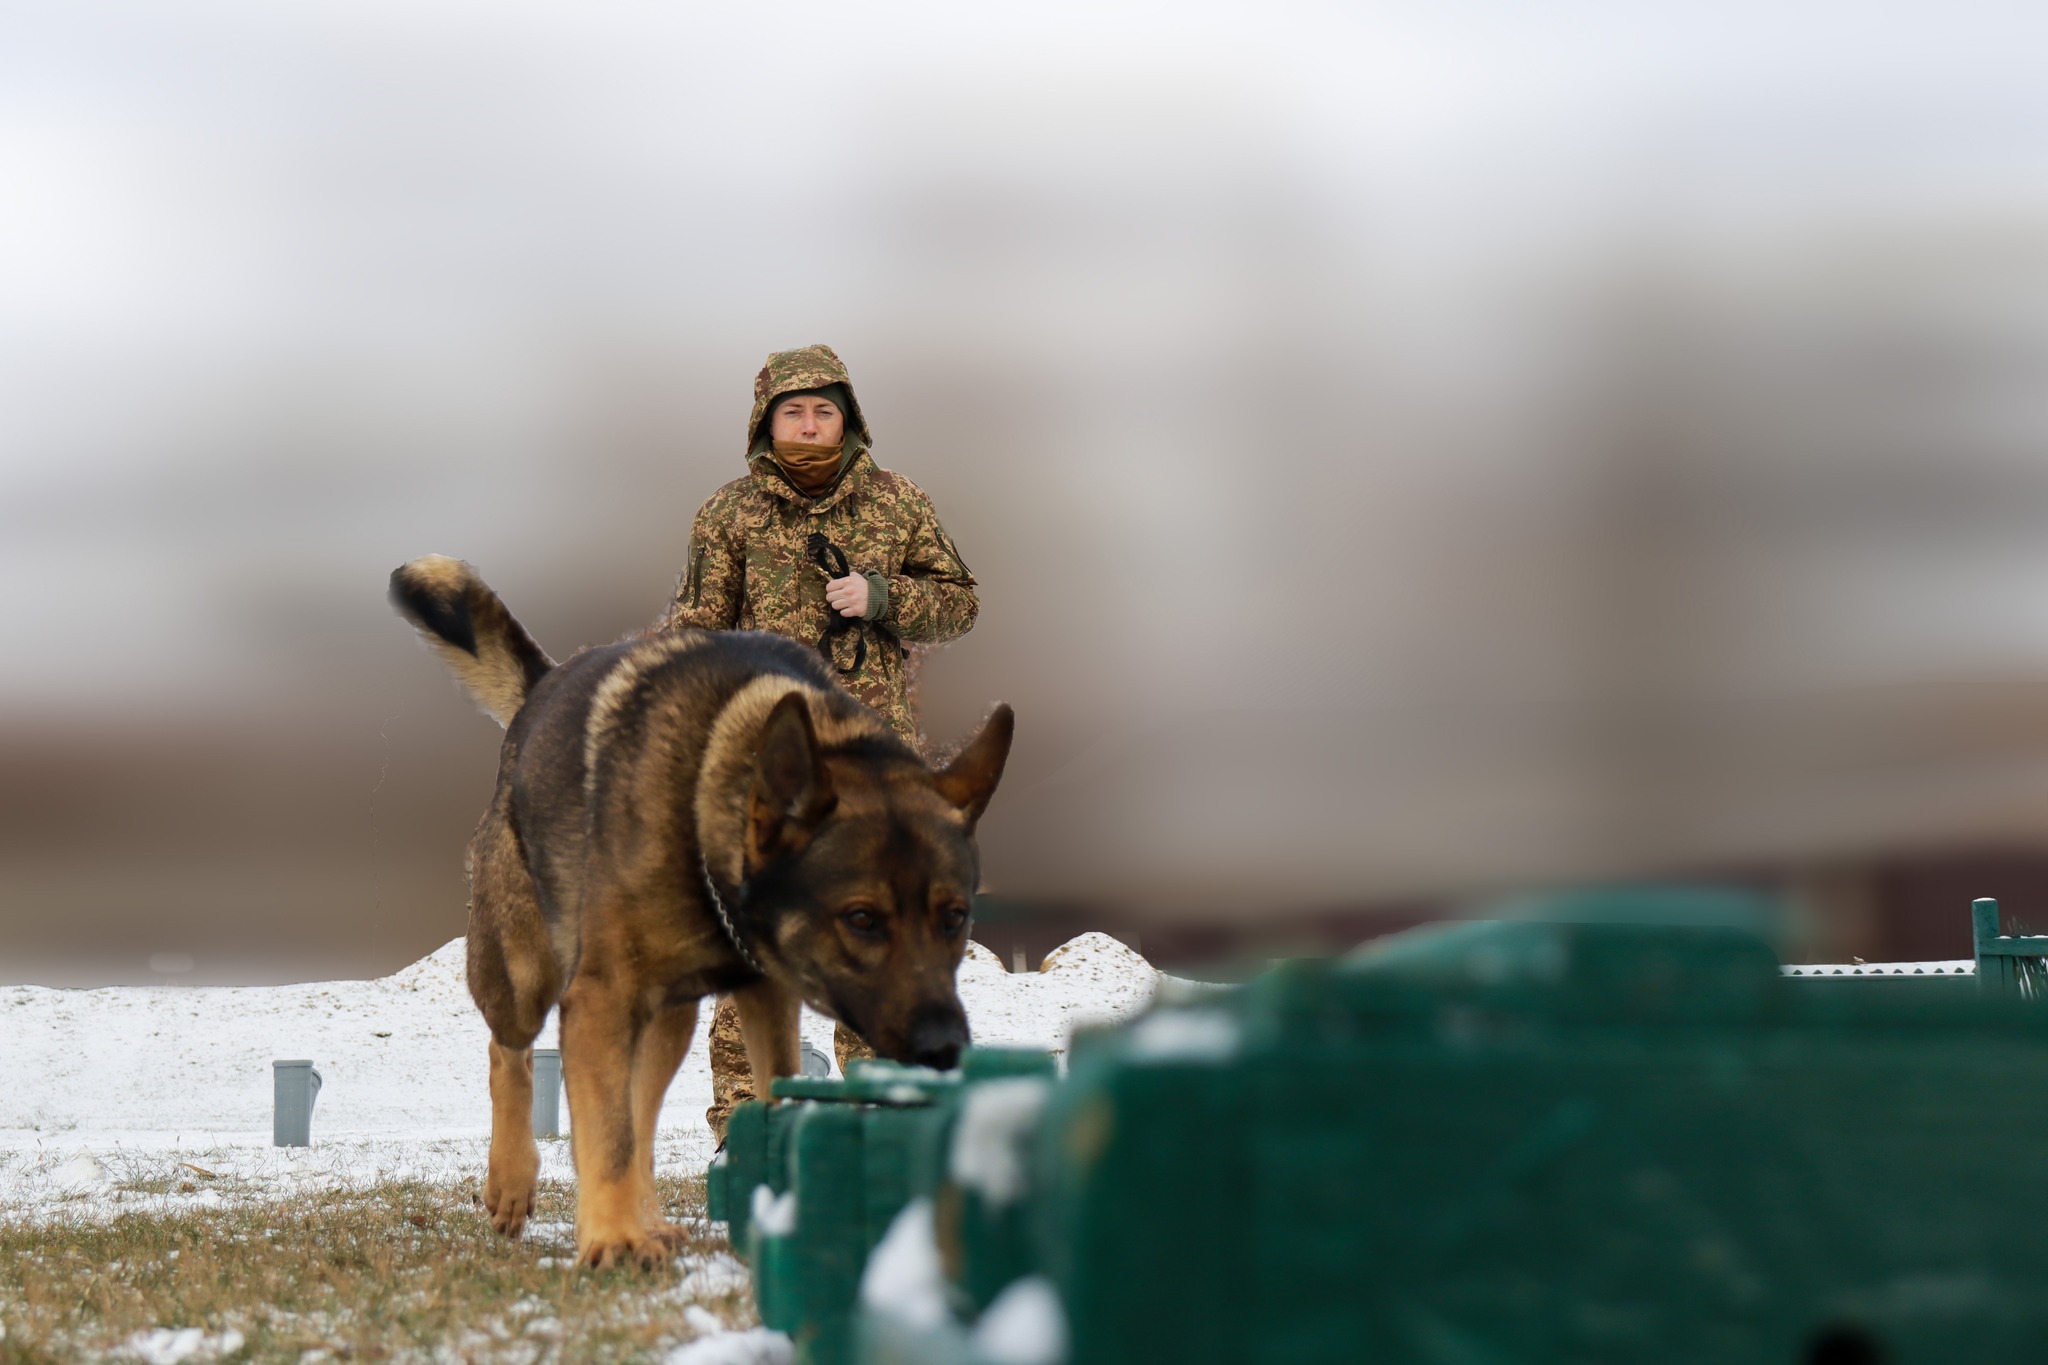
x,y
1410,451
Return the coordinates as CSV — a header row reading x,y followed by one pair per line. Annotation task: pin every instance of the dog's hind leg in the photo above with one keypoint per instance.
x,y
663,1044
515,979
514,1172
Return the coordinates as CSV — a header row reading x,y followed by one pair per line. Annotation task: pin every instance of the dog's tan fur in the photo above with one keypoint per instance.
x,y
501,661
615,692
628,774
729,759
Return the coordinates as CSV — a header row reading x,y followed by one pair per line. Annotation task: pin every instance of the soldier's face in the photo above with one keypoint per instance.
x,y
812,420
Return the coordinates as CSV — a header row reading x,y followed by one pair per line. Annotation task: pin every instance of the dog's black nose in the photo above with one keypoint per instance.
x,y
936,1036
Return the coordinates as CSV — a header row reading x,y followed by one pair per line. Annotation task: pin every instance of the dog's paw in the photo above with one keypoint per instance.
x,y
646,1248
509,1209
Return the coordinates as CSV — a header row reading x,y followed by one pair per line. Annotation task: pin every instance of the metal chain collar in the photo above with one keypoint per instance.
x,y
732,932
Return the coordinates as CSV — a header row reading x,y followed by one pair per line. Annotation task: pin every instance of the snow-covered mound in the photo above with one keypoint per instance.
x,y
405,1055
1087,981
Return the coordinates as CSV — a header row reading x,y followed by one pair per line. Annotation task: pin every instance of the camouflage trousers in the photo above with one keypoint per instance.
x,y
732,1080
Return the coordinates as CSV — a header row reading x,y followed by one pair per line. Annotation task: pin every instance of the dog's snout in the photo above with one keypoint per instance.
x,y
936,1037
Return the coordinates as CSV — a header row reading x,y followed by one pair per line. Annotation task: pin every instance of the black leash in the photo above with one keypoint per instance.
x,y
833,561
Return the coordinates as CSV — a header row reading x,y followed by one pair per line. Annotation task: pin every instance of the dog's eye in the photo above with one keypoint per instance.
x,y
860,919
953,919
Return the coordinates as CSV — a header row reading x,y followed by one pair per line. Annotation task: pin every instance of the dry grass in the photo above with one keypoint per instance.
x,y
397,1271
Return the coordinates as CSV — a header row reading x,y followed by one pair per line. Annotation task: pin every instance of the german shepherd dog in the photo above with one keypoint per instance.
x,y
681,815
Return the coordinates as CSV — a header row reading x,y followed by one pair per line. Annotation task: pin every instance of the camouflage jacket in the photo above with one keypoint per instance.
x,y
748,568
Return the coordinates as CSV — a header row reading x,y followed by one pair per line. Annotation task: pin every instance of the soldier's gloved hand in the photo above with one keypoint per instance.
x,y
848,596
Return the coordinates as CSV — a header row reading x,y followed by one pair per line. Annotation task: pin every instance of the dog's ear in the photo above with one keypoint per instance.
x,y
970,780
792,790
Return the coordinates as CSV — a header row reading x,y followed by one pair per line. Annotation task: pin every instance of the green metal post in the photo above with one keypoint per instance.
x,y
1984,919
2006,963
1994,969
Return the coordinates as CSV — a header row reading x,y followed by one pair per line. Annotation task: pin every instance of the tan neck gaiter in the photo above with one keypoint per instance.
x,y
809,468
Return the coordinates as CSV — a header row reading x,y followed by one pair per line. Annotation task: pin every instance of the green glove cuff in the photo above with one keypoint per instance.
x,y
878,597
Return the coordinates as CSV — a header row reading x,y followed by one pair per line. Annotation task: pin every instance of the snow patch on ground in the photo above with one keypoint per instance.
x,y
172,1346
709,1279
757,1347
174,1172
159,1097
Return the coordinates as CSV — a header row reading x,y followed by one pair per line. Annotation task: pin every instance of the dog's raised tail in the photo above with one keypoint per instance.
x,y
494,658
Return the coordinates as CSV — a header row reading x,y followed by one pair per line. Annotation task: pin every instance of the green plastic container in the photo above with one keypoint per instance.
x,y
1612,1131
1554,1142
808,1186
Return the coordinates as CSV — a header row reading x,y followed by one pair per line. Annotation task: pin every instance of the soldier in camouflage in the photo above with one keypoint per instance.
x,y
818,543
751,566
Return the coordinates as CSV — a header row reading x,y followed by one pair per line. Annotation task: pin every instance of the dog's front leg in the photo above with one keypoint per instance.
x,y
768,1025
601,1026
662,1046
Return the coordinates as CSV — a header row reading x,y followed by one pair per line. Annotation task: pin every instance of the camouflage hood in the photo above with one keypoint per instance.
x,y
813,367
